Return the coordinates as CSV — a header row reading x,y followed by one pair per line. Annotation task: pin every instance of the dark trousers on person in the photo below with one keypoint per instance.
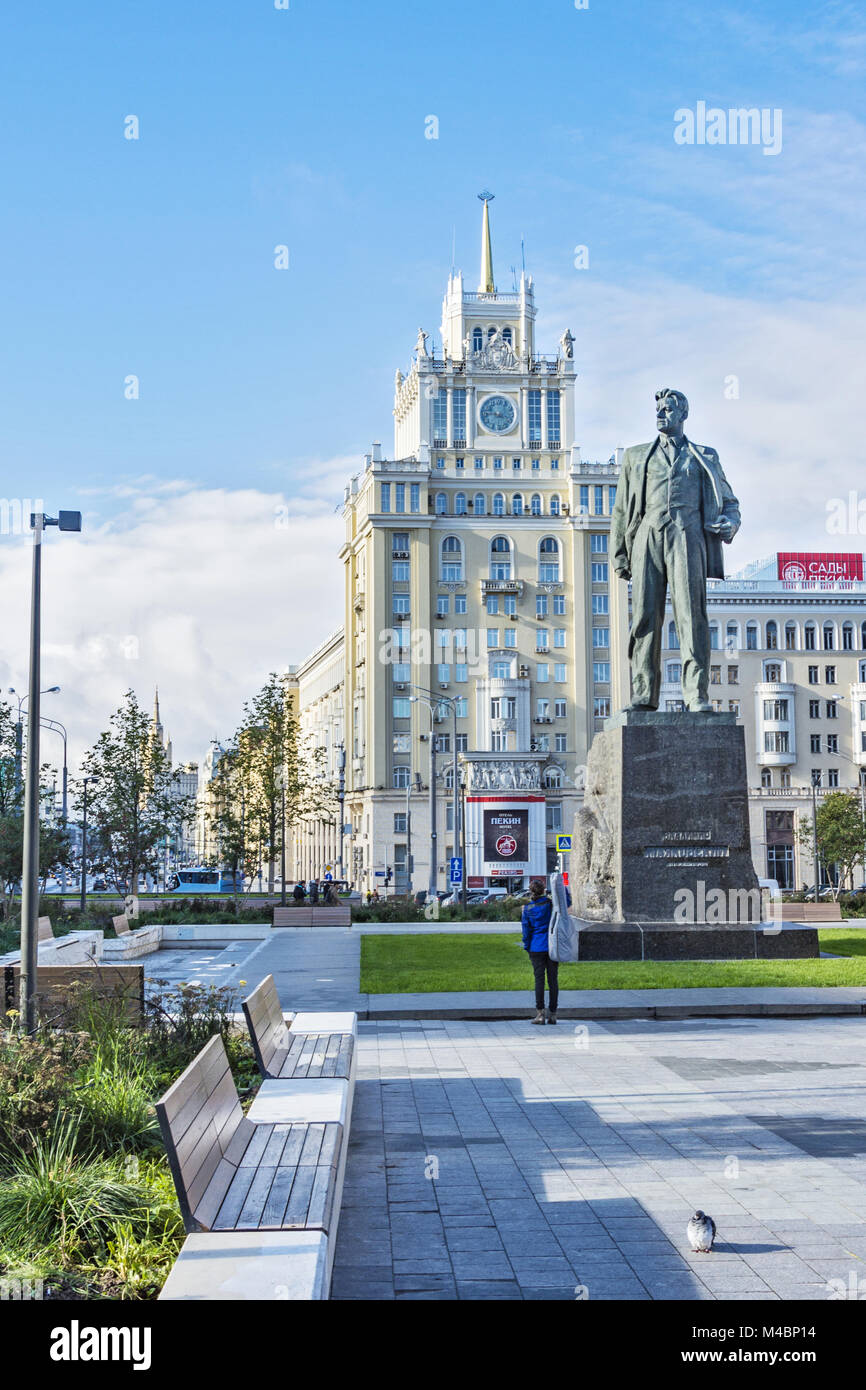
x,y
540,962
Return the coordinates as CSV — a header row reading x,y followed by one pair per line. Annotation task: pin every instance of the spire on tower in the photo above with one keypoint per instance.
x,y
486,285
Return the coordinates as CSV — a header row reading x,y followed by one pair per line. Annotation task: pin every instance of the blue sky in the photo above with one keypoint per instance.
x,y
305,127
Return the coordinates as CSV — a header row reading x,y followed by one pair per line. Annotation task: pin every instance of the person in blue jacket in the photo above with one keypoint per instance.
x,y
535,921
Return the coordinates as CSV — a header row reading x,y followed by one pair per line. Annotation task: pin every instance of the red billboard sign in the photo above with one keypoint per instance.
x,y
809,567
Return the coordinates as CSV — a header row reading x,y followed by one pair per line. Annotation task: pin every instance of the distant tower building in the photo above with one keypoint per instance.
x,y
476,564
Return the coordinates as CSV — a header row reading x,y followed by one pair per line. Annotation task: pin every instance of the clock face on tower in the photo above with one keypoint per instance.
x,y
497,414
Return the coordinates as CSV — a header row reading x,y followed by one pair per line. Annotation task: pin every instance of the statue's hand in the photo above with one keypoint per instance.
x,y
724,527
624,573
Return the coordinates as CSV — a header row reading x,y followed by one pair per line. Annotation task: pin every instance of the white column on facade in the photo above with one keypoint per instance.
x,y
544,435
449,407
524,417
470,417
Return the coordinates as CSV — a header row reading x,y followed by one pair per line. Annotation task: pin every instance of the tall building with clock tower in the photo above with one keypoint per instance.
x,y
477,599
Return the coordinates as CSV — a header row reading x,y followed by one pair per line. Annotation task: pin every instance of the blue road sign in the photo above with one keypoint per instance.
x,y
563,844
329,877
455,870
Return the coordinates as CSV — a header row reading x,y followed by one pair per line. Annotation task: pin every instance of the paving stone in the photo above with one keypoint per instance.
x,y
486,1264
493,1290
586,1167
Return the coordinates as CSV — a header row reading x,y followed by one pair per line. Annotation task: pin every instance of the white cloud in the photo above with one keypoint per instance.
x,y
202,591
787,442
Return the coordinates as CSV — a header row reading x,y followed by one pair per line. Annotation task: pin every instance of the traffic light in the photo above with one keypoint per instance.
x,y
387,874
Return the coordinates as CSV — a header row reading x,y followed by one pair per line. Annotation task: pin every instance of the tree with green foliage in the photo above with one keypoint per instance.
x,y
53,840
269,755
135,803
841,834
226,813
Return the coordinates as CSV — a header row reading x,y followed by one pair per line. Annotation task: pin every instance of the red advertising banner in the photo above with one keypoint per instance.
x,y
809,567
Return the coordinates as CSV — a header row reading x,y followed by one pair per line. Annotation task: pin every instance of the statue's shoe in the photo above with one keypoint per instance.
x,y
701,707
642,707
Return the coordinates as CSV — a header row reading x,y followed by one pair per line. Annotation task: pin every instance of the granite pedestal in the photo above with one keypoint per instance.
x,y
661,855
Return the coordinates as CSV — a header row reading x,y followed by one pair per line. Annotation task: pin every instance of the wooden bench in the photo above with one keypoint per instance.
x,y
811,912
284,1053
60,987
233,1174
313,916
46,931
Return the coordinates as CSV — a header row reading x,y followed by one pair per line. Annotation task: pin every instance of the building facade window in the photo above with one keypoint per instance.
x,y
452,559
548,560
534,410
553,435
500,558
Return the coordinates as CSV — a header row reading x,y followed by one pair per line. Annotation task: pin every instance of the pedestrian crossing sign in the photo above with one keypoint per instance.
x,y
563,844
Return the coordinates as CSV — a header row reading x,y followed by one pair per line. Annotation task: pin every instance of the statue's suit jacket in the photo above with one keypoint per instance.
x,y
717,500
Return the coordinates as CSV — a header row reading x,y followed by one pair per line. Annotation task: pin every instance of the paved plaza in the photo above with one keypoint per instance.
x,y
494,1160
490,1159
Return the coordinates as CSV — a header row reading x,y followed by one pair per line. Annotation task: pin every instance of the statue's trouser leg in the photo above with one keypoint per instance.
x,y
686,557
648,587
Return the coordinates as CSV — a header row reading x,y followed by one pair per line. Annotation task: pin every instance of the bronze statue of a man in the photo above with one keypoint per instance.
x,y
673,510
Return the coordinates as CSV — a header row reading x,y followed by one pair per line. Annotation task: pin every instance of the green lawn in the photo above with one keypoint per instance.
x,y
438,963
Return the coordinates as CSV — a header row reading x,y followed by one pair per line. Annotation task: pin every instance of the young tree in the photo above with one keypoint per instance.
x,y
135,802
841,834
272,756
53,840
227,813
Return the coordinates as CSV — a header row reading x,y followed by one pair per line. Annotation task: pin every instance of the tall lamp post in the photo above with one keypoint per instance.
x,y
432,879
433,702
19,731
815,867
57,728
83,896
341,794
66,521
283,838
409,865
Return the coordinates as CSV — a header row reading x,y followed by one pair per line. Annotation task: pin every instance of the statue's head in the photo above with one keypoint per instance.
x,y
672,409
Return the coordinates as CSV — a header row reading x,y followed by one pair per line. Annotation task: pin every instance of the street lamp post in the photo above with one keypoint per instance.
x,y
409,865
83,895
815,868
341,794
283,839
433,879
449,700
67,521
58,728
19,733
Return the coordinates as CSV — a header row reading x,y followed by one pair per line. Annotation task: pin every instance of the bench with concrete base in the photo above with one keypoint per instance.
x,y
311,1045
259,1194
141,942
313,916
811,912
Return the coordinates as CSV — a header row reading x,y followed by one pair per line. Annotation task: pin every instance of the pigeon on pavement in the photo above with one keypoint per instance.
x,y
701,1232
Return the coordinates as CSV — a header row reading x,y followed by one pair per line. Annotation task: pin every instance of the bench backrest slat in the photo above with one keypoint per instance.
x,y
46,931
199,1116
267,1027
